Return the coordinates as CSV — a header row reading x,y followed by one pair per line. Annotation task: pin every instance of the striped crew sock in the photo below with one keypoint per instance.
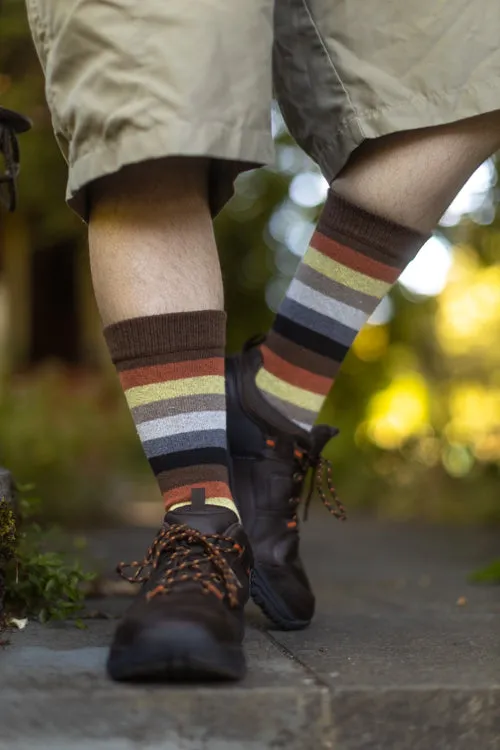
x,y
353,260
171,368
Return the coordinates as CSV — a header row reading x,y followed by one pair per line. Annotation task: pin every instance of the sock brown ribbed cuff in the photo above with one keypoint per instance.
x,y
357,228
164,334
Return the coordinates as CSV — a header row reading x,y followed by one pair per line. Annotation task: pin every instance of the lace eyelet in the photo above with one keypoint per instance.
x,y
178,540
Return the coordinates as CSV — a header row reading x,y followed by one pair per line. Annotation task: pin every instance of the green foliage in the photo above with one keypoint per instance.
x,y
489,574
38,583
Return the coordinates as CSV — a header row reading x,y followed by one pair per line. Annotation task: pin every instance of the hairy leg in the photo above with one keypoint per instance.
x,y
152,247
412,177
158,285
378,214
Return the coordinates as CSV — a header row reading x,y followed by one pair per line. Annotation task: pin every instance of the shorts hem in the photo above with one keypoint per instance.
x,y
215,141
417,112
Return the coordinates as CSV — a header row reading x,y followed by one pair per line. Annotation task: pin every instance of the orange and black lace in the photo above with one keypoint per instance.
x,y
321,481
206,565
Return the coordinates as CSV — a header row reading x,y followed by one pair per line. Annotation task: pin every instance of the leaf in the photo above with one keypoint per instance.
x,y
42,584
489,574
49,586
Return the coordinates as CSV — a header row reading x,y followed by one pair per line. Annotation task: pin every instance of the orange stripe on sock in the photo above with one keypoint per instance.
x,y
182,494
172,371
353,259
294,375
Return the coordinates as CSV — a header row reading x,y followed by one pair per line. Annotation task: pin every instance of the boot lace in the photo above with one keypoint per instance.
x,y
311,458
188,555
321,481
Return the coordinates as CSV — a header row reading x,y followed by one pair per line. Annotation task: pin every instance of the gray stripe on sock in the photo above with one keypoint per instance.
x,y
181,405
323,305
335,289
185,441
193,421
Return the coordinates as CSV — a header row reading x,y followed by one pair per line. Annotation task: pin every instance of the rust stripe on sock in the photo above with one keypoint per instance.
x,y
388,242
171,371
292,374
165,359
297,355
353,259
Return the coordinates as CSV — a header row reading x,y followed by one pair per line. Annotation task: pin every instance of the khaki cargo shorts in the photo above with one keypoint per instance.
x,y
132,80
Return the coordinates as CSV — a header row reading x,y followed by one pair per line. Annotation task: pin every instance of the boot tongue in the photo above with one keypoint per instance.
x,y
320,435
205,518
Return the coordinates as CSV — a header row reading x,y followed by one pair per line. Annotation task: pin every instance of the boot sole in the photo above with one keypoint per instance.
x,y
177,653
271,605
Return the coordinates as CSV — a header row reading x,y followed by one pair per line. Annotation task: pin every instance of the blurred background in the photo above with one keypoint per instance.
x,y
418,399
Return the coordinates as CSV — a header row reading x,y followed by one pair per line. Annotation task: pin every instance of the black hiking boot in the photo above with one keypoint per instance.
x,y
270,459
187,621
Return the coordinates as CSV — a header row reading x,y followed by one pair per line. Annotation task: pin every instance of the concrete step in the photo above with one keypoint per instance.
x,y
404,654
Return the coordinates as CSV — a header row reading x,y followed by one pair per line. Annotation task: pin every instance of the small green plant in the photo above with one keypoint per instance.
x,y
489,574
38,583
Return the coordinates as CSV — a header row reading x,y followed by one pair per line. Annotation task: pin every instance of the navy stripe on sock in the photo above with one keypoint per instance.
x,y
310,339
317,323
195,457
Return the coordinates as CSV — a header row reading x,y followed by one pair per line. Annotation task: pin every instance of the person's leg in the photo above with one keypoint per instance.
x,y
376,104
412,177
160,207
151,108
376,217
158,286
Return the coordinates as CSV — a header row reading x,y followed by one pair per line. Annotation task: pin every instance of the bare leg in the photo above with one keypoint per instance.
x,y
152,247
412,177
378,214
158,285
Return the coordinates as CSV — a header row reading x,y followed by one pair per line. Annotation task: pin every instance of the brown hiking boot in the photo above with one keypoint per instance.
x,y
270,459
187,621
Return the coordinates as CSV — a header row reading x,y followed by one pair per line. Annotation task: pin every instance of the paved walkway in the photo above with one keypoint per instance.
x,y
403,655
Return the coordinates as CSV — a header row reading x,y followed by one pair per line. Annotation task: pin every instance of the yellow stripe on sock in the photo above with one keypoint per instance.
x,y
344,275
147,394
269,383
221,502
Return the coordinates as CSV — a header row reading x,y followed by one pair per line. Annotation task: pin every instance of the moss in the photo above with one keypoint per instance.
x,y
8,534
8,543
